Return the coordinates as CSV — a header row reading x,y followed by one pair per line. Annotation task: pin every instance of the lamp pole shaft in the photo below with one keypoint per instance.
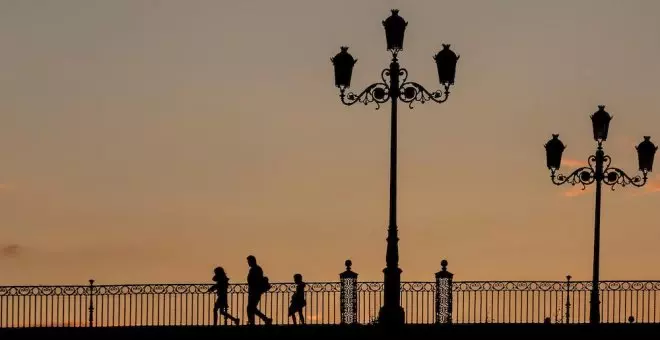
x,y
594,312
391,313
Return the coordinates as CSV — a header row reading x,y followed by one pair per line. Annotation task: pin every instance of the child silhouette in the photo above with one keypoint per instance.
x,y
298,300
220,287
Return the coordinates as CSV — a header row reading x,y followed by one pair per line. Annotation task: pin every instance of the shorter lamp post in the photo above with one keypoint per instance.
x,y
599,171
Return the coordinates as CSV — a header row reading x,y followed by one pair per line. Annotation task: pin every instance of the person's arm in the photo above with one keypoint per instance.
x,y
213,288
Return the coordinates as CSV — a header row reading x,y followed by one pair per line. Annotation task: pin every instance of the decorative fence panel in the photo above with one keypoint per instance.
x,y
191,304
561,302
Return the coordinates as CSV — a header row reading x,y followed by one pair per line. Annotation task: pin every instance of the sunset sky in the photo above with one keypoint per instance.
x,y
149,141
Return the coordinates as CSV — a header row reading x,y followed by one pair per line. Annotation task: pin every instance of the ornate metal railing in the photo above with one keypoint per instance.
x,y
190,304
561,302
348,301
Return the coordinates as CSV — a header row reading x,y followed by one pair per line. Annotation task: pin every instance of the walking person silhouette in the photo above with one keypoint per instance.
x,y
257,285
298,300
220,287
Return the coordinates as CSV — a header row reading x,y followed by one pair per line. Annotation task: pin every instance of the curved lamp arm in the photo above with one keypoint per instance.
x,y
611,176
614,176
410,92
377,93
584,176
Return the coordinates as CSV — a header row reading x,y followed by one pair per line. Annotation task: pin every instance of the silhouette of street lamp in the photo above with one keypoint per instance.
x,y
394,87
599,171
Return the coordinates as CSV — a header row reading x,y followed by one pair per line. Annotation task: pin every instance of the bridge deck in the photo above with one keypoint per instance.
x,y
497,331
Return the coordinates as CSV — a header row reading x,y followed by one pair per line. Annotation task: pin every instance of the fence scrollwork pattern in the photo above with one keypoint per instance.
x,y
346,301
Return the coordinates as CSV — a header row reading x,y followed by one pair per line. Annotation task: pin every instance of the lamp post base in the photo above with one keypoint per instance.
x,y
391,313
391,316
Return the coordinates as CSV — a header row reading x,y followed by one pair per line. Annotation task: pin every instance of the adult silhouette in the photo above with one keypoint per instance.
x,y
257,285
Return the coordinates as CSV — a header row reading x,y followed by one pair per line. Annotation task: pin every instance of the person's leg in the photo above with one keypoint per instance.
x,y
231,317
302,317
224,310
226,315
292,314
216,307
261,315
251,308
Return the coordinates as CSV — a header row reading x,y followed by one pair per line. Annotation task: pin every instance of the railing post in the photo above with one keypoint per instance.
x,y
90,321
443,295
348,295
568,299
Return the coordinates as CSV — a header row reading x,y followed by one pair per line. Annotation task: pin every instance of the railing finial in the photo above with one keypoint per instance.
x,y
348,295
443,294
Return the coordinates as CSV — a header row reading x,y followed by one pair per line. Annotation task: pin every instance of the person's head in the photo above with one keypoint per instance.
x,y
219,273
252,261
297,278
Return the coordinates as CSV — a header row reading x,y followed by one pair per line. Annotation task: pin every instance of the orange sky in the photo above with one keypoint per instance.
x,y
148,141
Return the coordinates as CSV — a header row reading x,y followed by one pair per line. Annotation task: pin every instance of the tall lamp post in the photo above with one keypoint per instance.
x,y
394,87
600,172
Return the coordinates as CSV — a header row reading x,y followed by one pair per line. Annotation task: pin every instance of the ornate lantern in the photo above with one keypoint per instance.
x,y
446,61
395,27
601,123
645,153
553,151
343,63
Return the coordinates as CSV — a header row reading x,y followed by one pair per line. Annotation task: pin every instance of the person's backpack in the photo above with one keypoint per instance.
x,y
265,284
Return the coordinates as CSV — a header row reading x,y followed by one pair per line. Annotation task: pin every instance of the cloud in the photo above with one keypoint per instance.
x,y
80,255
576,191
10,250
653,186
573,163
